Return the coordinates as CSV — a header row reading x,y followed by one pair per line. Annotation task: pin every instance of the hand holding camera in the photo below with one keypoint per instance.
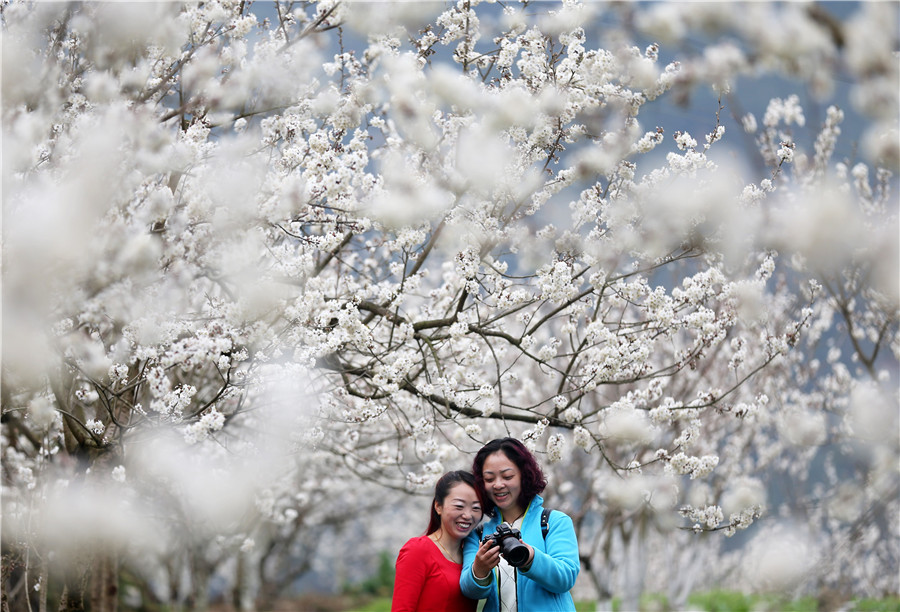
x,y
508,539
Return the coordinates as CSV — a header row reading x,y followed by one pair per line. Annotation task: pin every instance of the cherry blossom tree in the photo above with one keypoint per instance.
x,y
269,268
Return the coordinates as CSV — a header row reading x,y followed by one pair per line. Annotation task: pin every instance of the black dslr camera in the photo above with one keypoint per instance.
x,y
507,537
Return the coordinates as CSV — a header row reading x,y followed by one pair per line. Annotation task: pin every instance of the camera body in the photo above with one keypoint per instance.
x,y
507,538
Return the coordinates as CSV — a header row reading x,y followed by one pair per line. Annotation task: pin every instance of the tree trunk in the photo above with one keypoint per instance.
x,y
243,599
105,581
72,599
45,586
5,583
198,599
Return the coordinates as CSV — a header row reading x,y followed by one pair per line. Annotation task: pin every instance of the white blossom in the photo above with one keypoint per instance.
x,y
94,426
555,445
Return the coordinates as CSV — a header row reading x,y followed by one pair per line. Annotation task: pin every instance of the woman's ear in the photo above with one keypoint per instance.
x,y
437,507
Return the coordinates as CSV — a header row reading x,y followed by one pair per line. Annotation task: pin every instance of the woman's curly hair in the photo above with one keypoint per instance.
x,y
533,480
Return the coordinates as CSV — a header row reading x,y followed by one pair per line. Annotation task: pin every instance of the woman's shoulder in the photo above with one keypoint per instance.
x,y
492,519
552,516
547,517
556,515
488,525
418,543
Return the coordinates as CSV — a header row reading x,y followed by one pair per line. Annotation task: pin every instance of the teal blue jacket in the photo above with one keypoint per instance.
x,y
545,586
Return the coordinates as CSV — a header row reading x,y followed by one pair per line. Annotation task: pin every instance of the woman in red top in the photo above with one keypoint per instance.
x,y
428,566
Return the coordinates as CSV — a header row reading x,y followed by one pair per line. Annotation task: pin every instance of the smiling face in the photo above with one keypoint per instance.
x,y
503,483
460,511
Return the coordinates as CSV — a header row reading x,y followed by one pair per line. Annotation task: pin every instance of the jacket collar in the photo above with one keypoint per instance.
x,y
536,502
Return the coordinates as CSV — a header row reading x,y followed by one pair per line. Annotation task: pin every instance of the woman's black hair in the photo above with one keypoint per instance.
x,y
533,480
442,489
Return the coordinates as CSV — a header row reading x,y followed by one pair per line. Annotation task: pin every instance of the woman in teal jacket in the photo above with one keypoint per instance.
x,y
510,480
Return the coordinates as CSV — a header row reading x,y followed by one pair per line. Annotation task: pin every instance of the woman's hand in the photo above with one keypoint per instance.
x,y
486,559
527,564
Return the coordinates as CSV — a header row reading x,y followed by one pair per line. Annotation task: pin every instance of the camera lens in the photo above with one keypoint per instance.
x,y
513,551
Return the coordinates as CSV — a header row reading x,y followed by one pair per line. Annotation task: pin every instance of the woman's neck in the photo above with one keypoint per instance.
x,y
511,515
445,538
448,544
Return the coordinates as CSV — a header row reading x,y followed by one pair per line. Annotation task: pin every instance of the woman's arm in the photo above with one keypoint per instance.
x,y
558,567
409,578
472,588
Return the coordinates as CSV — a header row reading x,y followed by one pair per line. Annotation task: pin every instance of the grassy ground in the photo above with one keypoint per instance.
x,y
716,601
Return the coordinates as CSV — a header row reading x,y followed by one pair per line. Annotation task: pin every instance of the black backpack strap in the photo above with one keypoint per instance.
x,y
545,521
